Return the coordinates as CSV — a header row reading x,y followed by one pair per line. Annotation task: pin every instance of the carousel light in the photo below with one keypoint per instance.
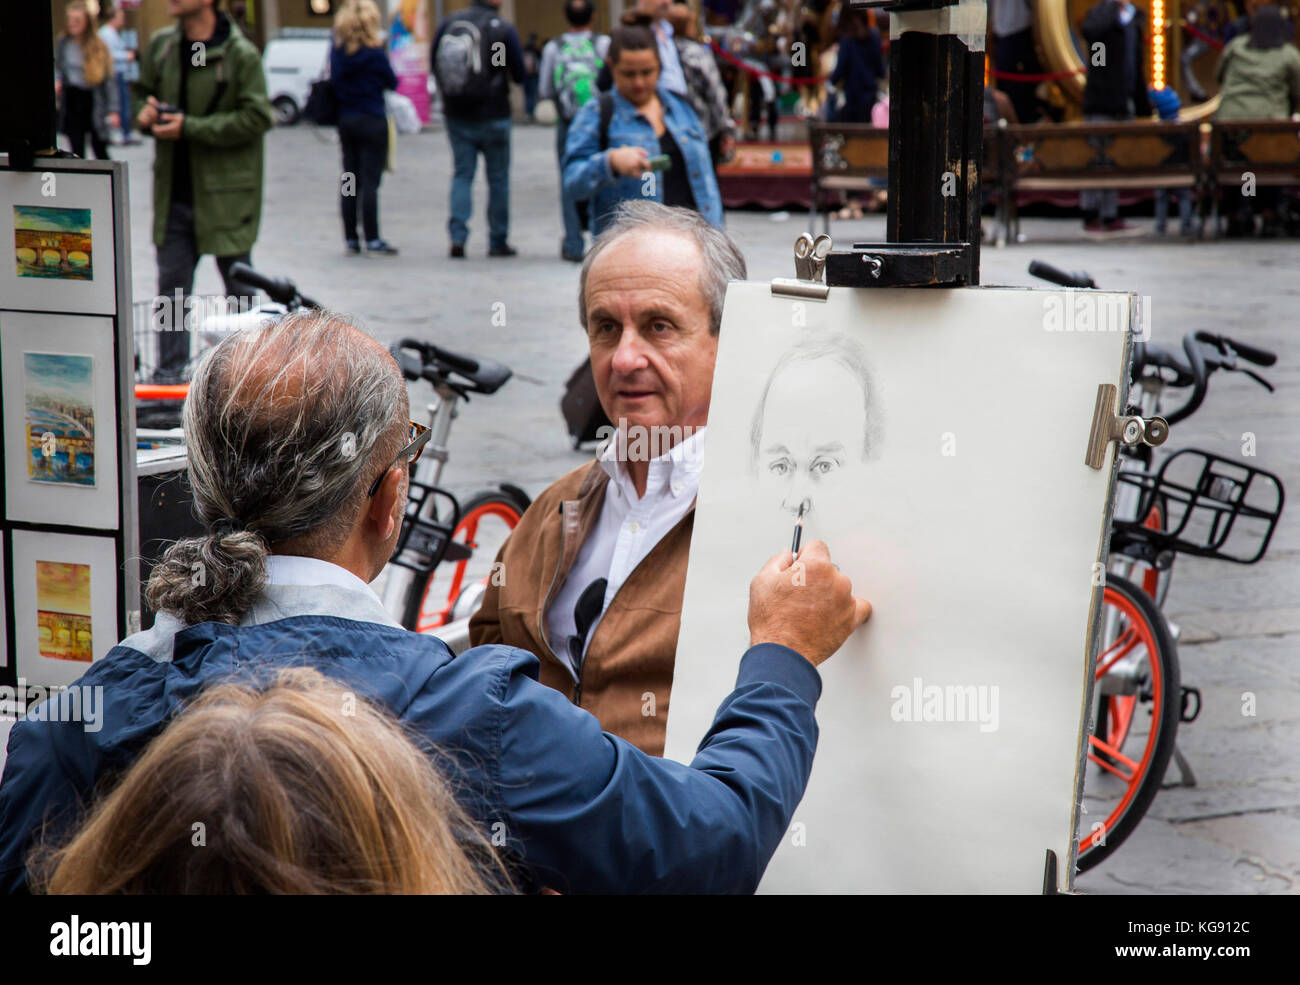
x,y
1157,44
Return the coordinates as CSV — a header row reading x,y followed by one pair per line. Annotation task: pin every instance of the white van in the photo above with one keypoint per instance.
x,y
291,64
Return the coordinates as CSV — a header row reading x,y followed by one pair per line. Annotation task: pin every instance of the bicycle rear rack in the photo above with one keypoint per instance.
x,y
425,542
1210,506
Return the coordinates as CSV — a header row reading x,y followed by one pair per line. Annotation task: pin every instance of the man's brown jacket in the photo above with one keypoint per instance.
x,y
627,672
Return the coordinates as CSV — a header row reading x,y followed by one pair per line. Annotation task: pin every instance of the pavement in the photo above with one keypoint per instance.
x,y
1238,829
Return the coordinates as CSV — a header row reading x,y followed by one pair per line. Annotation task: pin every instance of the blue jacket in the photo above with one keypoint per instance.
x,y
584,811
360,80
587,174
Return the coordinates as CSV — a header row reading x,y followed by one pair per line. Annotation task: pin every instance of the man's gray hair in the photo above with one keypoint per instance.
x,y
286,425
721,258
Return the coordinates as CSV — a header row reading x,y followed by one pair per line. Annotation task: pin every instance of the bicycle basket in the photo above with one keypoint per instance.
x,y
1210,506
423,542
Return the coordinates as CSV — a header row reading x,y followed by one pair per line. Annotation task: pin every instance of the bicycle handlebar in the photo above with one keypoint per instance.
x,y
278,289
1056,275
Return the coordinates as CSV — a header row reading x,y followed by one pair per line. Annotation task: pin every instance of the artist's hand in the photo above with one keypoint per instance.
x,y
807,605
148,114
629,161
169,126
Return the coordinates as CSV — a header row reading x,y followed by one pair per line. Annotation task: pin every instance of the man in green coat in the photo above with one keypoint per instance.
x,y
202,95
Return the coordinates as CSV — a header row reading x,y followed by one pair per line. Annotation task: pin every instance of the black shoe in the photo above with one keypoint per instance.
x,y
353,247
381,247
503,251
458,251
571,257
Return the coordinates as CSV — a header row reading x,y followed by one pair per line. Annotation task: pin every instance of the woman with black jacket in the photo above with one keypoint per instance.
x,y
360,72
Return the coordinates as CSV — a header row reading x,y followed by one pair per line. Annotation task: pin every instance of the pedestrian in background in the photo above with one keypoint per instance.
x,y
1259,78
202,96
1167,104
704,86
1116,89
83,83
361,73
859,67
532,74
608,158
570,66
110,32
475,56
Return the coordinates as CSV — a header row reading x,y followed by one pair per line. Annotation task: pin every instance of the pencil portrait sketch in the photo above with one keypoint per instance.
x,y
817,423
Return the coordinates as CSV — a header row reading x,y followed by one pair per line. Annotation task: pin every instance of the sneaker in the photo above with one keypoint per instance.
x,y
381,247
458,251
503,251
1093,227
353,246
571,257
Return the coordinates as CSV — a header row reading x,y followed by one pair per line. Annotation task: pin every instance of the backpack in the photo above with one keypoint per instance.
x,y
576,69
462,62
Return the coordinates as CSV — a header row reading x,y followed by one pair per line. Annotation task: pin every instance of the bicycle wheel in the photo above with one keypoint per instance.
x,y
485,522
1128,751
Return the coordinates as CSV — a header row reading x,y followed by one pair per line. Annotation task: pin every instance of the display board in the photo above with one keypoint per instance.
x,y
936,441
67,418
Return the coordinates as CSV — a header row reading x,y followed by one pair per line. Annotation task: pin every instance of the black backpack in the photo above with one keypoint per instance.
x,y
462,58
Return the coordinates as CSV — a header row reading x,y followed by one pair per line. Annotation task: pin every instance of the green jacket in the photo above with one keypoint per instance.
x,y
1258,84
225,136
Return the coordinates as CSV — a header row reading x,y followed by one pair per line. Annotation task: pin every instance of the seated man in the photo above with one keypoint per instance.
x,y
299,447
597,566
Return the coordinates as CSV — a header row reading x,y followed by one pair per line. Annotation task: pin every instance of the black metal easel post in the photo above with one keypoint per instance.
x,y
936,132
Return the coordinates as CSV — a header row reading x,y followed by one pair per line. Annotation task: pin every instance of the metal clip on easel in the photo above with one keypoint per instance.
x,y
810,270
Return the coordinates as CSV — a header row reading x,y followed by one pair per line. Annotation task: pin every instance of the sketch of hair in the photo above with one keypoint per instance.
x,y
846,352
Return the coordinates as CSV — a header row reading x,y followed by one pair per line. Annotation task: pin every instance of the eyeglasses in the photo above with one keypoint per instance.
x,y
419,435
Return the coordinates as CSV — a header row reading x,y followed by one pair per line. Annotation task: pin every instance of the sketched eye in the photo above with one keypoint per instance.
x,y
824,466
781,467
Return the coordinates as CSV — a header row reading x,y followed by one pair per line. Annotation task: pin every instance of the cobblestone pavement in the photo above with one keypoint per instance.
x,y
1238,829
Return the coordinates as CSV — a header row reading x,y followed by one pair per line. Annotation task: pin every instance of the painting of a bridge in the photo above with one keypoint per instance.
x,y
60,394
52,242
63,610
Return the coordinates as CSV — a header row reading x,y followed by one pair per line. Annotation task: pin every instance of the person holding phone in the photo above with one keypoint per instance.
x,y
639,141
201,95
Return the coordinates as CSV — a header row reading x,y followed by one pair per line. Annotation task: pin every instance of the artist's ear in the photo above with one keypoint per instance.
x,y
386,505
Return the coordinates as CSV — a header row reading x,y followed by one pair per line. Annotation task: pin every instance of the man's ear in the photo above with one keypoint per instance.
x,y
385,510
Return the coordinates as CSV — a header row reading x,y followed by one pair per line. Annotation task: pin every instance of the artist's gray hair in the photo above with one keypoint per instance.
x,y
287,426
846,352
721,259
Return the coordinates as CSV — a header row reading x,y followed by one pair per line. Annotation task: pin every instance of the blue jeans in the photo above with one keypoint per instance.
x,y
469,138
124,102
574,243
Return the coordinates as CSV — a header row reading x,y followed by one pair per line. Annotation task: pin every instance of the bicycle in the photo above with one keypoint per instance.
x,y
1160,513
445,552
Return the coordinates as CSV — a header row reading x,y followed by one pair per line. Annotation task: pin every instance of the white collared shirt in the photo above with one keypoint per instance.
x,y
627,529
289,569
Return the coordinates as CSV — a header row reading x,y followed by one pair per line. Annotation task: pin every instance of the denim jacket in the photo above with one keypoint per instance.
x,y
587,174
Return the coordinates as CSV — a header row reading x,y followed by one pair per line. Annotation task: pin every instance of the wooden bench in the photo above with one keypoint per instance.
x,y
1268,150
854,157
1084,156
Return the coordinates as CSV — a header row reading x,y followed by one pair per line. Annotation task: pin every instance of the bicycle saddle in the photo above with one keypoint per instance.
x,y
435,363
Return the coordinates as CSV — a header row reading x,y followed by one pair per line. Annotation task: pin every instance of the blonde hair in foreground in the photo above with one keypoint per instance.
x,y
357,25
301,787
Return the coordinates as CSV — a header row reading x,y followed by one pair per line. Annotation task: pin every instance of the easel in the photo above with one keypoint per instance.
x,y
936,88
